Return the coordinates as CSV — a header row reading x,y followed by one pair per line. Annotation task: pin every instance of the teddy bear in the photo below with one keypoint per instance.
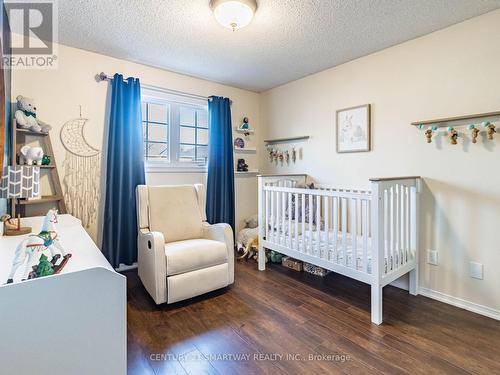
x,y
26,116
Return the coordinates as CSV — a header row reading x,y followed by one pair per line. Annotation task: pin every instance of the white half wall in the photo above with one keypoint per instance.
x,y
451,72
59,92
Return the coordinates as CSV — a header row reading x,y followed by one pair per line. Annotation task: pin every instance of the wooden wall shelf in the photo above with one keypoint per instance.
x,y
284,140
461,120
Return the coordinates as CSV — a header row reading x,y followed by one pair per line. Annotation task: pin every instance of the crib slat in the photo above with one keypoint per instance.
x,y
343,208
402,219
398,226
318,225
365,219
335,228
283,218
387,223
407,223
393,228
267,214
289,211
303,222
273,214
296,217
310,222
278,217
354,232
326,254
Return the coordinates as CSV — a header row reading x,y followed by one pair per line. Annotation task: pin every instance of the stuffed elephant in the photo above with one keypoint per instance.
x,y
31,155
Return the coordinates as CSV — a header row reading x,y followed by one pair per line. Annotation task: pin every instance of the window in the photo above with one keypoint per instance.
x,y
175,131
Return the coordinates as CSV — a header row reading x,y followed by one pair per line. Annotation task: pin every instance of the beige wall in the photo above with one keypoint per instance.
x,y
58,94
448,73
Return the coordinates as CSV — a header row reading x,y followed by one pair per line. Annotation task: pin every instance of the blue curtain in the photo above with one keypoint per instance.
x,y
220,181
125,170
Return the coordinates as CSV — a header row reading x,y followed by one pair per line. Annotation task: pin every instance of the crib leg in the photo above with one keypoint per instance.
x,y
377,294
261,256
414,282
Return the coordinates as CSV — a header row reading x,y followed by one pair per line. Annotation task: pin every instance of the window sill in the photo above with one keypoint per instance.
x,y
165,168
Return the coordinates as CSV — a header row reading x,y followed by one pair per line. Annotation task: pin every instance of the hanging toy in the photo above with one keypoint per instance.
x,y
491,129
287,157
453,135
270,151
474,132
429,132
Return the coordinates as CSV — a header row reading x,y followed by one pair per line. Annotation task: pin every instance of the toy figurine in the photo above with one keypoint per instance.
x,y
474,132
491,129
245,125
453,135
27,251
242,166
429,132
294,154
287,156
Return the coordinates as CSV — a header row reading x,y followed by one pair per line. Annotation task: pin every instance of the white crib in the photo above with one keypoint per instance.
x,y
370,236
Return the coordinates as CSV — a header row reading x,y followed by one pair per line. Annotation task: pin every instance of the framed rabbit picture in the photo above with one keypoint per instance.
x,y
353,129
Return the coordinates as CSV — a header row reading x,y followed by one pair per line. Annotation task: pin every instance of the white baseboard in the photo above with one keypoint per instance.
x,y
458,302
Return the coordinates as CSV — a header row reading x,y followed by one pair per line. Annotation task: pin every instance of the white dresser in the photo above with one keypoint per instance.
x,y
70,323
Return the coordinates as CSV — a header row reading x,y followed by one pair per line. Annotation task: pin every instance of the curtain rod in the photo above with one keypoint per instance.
x,y
106,77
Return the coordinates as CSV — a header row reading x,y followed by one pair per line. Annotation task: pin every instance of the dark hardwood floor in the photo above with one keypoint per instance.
x,y
322,324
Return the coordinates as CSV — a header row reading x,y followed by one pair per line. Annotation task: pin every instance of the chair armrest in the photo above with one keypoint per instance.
x,y
152,264
222,233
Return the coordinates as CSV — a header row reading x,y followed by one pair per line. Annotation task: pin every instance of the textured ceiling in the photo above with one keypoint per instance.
x,y
287,40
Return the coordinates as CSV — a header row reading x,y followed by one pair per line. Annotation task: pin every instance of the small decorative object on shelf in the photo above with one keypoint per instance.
x,y
474,132
491,129
29,248
453,134
294,154
242,166
13,228
26,116
30,155
239,143
245,127
315,270
292,263
46,160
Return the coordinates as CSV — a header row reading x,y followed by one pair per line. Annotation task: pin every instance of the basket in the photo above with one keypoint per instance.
x,y
294,264
315,270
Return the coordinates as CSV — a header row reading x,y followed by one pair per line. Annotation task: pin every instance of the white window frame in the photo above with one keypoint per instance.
x,y
164,96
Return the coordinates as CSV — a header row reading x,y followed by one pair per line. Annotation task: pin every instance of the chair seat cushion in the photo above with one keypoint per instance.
x,y
191,255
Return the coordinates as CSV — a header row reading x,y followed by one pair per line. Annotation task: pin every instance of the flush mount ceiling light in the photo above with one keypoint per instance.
x,y
233,14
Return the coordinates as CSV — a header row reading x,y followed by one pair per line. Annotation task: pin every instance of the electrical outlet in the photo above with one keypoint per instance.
x,y
432,257
476,270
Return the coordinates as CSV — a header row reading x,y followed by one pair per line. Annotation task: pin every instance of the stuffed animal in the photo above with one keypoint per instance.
x,y
242,166
252,222
26,116
30,155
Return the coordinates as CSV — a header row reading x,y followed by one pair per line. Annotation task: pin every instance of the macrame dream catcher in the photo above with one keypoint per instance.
x,y
81,172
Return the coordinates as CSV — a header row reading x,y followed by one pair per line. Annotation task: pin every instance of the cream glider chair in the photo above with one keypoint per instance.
x,y
180,254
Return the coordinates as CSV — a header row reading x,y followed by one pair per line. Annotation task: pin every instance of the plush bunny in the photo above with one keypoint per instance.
x,y
26,116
